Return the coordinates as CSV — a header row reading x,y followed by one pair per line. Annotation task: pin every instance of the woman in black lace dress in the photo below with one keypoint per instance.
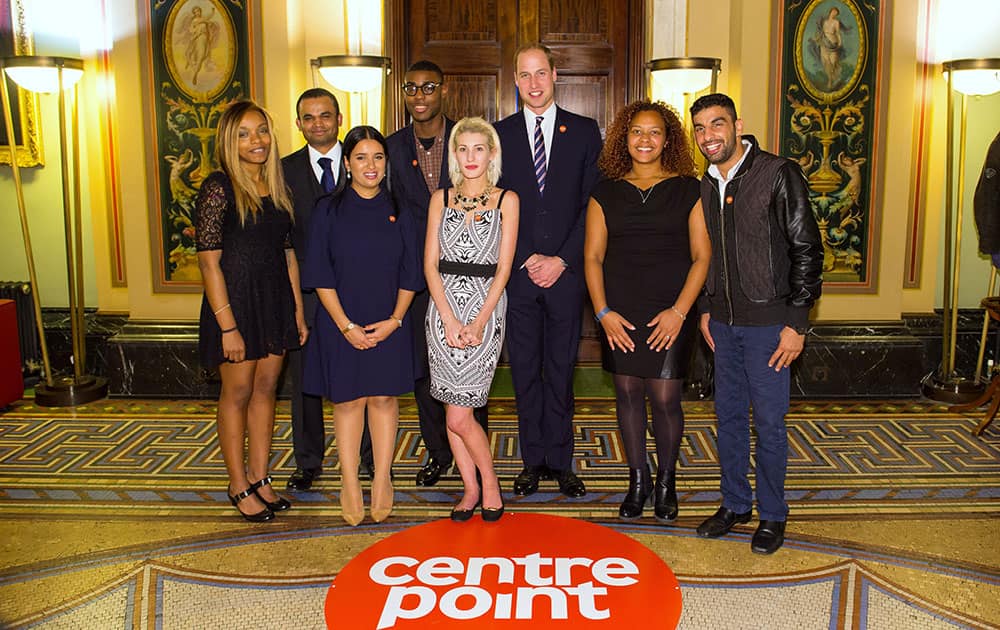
x,y
252,309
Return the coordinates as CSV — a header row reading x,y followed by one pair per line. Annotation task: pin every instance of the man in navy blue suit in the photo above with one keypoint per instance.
x,y
418,165
314,170
550,160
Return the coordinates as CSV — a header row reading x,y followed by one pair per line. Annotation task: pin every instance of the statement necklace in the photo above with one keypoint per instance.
x,y
468,204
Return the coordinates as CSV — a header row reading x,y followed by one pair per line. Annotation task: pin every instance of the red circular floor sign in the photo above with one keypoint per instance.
x,y
525,571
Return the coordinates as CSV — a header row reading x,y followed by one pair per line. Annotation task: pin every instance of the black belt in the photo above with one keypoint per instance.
x,y
466,269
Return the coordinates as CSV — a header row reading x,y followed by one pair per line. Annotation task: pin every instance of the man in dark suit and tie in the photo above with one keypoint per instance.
x,y
550,160
418,160
314,170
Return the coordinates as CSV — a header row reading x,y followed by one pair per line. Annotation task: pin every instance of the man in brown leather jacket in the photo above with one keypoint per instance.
x,y
766,273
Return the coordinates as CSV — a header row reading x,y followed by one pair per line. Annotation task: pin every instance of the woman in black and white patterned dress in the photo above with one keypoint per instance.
x,y
471,234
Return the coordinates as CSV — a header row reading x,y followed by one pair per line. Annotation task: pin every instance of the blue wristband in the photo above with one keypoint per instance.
x,y
599,315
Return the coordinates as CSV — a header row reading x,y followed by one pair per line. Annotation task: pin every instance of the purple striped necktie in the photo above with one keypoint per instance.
x,y
539,154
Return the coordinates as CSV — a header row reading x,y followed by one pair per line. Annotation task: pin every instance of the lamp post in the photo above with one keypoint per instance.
x,y
46,75
966,77
357,74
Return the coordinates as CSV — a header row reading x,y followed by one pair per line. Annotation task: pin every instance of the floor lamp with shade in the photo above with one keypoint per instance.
x,y
357,74
59,75
677,80
966,77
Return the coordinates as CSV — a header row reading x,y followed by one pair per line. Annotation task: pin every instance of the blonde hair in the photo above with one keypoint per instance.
x,y
480,126
227,154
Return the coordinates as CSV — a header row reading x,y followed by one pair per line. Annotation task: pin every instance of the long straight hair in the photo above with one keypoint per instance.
x,y
227,153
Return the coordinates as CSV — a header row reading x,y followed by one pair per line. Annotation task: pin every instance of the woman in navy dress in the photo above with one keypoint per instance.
x,y
364,263
646,255
252,309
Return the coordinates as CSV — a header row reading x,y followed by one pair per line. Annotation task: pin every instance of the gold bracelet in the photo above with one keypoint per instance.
x,y
674,309
221,308
397,320
348,328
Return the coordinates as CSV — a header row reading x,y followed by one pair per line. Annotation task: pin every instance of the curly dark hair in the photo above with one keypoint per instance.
x,y
615,160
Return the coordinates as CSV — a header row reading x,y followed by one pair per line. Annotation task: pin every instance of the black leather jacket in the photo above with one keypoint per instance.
x,y
986,203
767,256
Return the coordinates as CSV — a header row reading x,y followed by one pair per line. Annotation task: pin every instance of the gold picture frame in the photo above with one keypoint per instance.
x,y
16,38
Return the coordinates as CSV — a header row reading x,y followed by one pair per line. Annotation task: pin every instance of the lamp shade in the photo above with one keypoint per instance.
x,y
41,74
687,75
974,77
353,73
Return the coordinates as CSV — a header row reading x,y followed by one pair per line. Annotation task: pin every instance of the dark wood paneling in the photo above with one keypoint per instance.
x,y
471,95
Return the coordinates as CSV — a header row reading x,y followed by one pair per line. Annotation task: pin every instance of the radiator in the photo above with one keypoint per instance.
x,y
27,331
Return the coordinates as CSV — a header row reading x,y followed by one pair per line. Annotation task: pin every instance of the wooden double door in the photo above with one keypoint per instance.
x,y
598,47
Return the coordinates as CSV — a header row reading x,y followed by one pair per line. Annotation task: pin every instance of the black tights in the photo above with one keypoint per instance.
x,y
668,418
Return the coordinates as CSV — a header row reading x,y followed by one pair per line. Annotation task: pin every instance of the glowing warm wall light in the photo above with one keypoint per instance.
x,y
41,74
352,73
976,82
966,29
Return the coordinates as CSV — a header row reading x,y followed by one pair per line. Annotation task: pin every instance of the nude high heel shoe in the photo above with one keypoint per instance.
x,y
352,507
382,497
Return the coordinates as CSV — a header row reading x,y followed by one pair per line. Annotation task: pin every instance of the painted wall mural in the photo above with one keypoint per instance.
x,y
198,62
829,121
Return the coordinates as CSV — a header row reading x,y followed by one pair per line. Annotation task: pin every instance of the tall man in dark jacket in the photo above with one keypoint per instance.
x,y
766,274
418,165
311,172
550,161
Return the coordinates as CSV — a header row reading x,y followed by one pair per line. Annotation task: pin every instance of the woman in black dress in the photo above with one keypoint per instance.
x,y
252,309
646,256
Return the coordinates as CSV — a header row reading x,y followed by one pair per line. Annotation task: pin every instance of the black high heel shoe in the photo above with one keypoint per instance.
x,y
460,516
492,515
263,516
665,496
280,505
640,489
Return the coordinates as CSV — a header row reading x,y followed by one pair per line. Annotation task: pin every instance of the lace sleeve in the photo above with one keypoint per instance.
x,y
210,209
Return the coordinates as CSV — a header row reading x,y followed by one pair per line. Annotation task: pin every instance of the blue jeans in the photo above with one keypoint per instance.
x,y
742,380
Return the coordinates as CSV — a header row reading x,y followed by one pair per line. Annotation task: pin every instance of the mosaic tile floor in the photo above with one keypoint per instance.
x,y
113,515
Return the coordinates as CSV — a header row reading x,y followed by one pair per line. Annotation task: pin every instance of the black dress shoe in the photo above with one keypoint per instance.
x,y
721,522
569,483
431,472
280,505
302,479
640,489
768,538
665,496
526,481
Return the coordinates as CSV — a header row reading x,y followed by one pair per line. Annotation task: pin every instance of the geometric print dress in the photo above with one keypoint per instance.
x,y
462,376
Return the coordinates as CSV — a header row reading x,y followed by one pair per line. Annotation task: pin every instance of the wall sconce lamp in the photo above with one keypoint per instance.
x,y
966,77
682,75
357,74
47,75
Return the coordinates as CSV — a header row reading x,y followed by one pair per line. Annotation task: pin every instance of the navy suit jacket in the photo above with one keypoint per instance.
x,y
551,223
305,188
306,191
407,183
